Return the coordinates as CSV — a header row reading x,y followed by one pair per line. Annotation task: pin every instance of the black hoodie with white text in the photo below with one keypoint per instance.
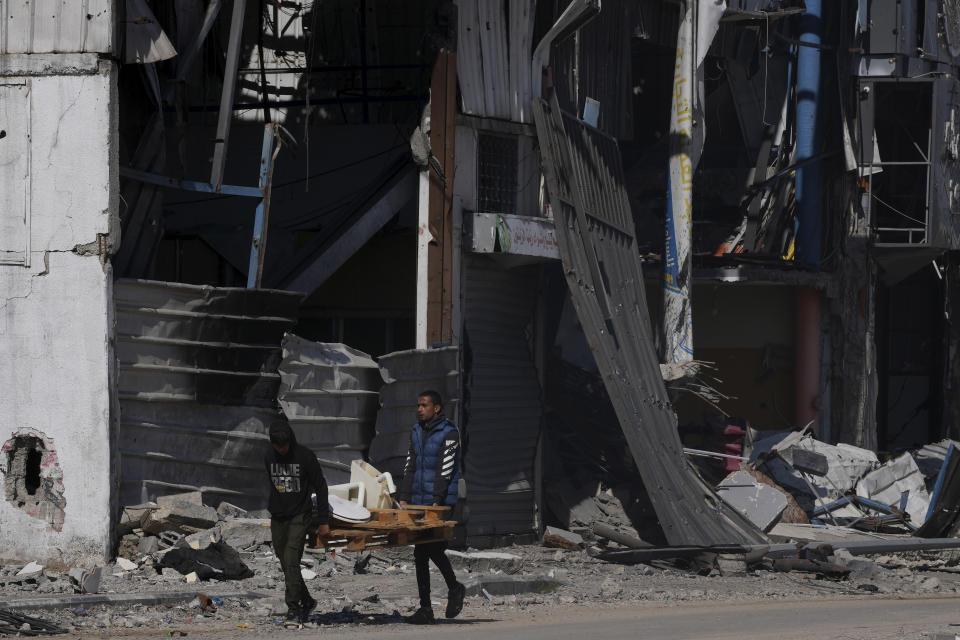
x,y
293,477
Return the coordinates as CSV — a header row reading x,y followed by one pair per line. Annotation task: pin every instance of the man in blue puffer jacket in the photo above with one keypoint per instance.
x,y
430,477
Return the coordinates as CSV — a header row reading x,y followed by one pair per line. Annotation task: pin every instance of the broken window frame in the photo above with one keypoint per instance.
x,y
892,236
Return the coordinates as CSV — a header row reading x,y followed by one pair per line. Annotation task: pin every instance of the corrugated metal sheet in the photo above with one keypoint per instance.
x,y
502,405
197,385
604,69
599,253
405,374
494,46
330,395
56,26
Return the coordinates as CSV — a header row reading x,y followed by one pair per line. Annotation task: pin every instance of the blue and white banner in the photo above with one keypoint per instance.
x,y
701,19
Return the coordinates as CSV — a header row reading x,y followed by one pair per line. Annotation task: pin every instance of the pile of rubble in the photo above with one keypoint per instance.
x,y
844,485
182,520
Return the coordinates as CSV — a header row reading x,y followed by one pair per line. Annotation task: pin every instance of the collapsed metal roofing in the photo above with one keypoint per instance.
x,y
595,236
197,385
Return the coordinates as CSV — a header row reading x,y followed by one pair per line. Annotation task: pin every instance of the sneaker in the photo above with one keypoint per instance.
x,y
293,620
455,600
423,615
307,605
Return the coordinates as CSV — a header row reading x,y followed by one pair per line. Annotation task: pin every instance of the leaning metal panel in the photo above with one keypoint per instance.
x,y
598,250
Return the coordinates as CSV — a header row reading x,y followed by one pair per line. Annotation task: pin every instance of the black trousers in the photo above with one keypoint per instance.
x,y
422,555
289,538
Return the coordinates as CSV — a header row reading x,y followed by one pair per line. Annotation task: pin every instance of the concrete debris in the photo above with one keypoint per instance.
x,y
760,503
846,464
308,574
610,533
126,565
191,577
793,513
860,568
731,564
888,483
562,539
86,580
181,517
485,561
148,544
245,533
169,539
30,569
132,517
201,539
227,510
190,497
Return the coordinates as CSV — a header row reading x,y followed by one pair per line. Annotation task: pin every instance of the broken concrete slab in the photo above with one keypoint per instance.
x,y
189,497
511,585
86,580
132,517
180,517
887,484
30,569
126,565
148,544
760,503
226,510
244,533
201,539
860,568
846,465
481,561
562,539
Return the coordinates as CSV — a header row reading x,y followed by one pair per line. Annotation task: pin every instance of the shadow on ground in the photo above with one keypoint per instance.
x,y
375,619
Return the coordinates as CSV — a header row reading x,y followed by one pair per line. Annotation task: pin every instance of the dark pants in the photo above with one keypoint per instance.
x,y
422,554
289,537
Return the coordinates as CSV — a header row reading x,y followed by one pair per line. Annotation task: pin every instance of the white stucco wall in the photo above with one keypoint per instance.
x,y
56,315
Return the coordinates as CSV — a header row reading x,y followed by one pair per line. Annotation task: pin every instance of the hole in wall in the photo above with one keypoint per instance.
x,y
33,480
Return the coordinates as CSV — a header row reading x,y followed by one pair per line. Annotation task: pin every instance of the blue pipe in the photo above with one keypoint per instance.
x,y
808,134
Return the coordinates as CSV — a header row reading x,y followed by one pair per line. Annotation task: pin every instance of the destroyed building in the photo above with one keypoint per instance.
x,y
221,215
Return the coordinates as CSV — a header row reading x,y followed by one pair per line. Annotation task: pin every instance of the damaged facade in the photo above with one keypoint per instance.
x,y
219,217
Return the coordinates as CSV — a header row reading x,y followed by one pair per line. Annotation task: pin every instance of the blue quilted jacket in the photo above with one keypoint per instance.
x,y
432,468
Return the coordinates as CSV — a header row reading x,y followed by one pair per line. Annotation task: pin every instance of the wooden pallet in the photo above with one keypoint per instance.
x,y
387,528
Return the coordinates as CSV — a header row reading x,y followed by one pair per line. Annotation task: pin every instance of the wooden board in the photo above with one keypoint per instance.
x,y
387,528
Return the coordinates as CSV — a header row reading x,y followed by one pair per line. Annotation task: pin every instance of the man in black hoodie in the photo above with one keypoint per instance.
x,y
294,474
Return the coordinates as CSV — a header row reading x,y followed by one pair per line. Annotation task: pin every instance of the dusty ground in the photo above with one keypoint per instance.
x,y
387,588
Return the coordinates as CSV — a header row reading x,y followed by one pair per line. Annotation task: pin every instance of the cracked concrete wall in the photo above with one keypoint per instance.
x,y
56,315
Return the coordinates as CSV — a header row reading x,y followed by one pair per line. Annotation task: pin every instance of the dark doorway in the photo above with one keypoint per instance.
x,y
910,331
